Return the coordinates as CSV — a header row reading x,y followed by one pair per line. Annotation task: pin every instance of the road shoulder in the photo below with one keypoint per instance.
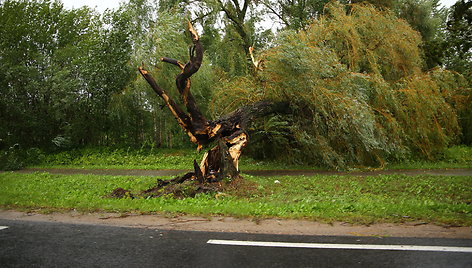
x,y
230,224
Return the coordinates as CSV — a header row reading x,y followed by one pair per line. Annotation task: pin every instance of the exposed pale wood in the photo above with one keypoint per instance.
x,y
257,63
237,145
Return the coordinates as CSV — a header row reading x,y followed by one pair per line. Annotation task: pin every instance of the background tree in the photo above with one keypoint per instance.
x,y
234,23
59,69
295,15
459,58
459,37
428,18
298,14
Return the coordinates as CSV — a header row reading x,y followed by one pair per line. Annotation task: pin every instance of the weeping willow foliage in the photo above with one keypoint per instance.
x,y
356,93
368,40
457,92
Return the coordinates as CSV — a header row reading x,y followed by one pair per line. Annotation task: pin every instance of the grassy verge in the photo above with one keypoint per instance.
x,y
392,198
454,157
103,158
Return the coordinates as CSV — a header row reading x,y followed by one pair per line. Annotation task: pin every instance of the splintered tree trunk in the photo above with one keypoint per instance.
x,y
227,133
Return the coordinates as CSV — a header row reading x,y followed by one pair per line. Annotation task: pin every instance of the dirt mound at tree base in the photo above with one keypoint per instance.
x,y
186,188
181,190
121,193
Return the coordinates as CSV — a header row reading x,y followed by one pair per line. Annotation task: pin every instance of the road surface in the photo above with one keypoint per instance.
x,y
49,244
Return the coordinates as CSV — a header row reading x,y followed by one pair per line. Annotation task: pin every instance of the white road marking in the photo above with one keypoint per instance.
x,y
3,227
340,246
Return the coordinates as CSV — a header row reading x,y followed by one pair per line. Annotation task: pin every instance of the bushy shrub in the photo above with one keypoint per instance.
x,y
11,158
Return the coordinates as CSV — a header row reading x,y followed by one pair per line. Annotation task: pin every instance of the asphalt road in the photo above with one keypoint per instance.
x,y
46,244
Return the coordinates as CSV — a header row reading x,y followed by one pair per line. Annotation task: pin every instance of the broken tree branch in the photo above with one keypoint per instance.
x,y
257,63
173,61
183,81
182,118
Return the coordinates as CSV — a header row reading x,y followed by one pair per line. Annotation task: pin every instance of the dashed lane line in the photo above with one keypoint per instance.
x,y
340,246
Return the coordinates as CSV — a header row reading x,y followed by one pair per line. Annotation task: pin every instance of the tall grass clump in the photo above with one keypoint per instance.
x,y
356,93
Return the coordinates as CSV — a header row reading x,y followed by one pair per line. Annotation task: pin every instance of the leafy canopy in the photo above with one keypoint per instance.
x,y
356,92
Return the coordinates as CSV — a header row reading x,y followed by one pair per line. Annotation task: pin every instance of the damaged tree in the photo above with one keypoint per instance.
x,y
227,133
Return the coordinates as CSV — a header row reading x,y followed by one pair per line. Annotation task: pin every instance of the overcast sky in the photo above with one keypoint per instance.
x,y
448,3
99,5
112,4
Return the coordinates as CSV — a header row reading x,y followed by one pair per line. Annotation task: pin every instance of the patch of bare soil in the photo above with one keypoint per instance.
x,y
229,224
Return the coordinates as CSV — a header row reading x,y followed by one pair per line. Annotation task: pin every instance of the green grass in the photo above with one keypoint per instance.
x,y
391,198
454,157
104,158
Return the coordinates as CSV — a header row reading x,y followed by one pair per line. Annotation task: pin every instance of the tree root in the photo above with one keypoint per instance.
x,y
180,187
187,186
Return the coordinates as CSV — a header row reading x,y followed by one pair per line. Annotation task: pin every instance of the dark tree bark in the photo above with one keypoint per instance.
x,y
228,133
